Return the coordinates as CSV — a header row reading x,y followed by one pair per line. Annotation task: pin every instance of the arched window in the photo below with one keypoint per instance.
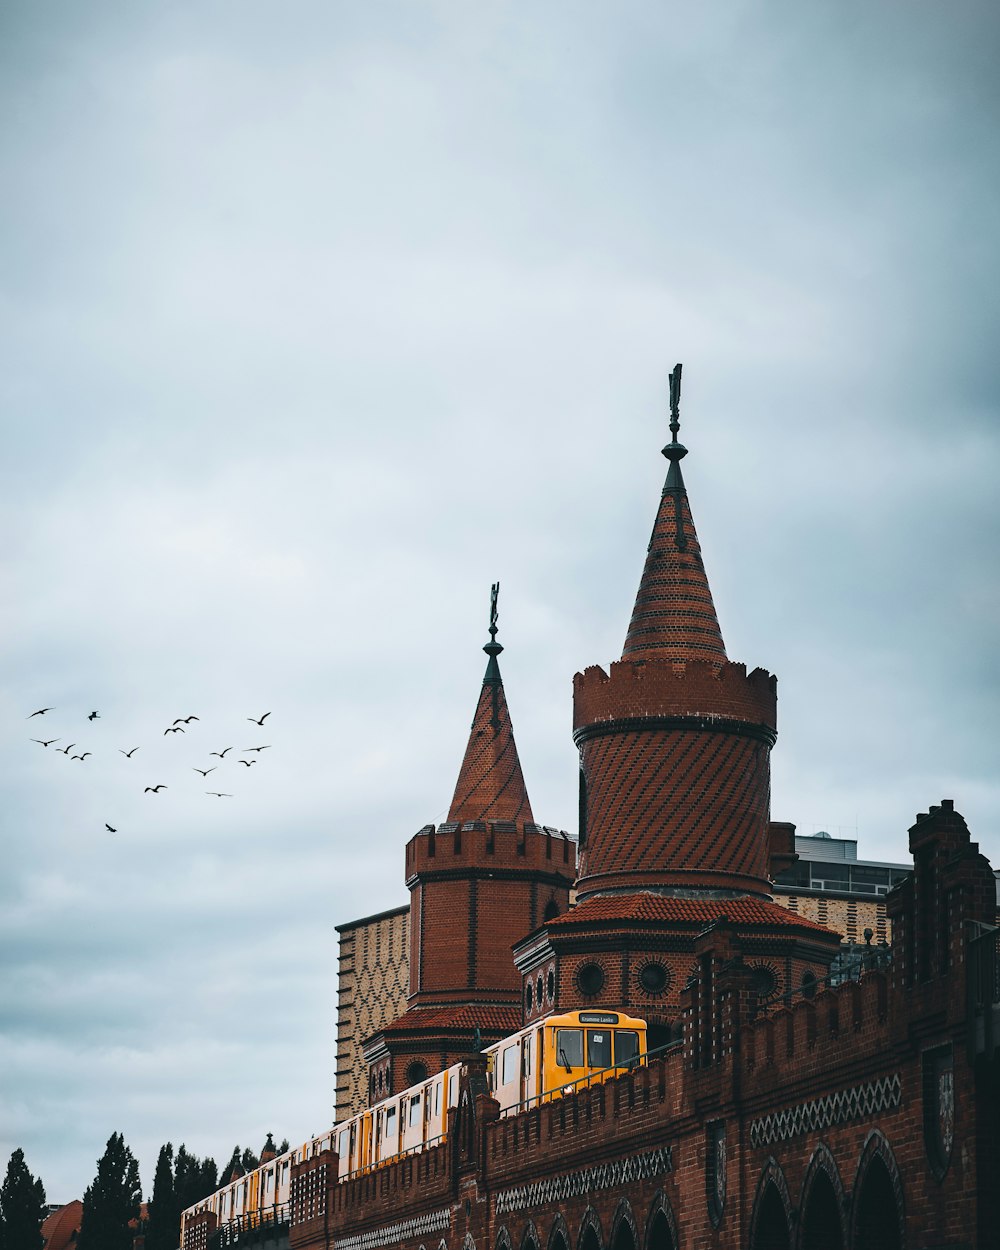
x,y
770,1224
876,1218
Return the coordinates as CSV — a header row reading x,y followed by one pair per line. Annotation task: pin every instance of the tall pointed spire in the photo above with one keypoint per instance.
x,y
674,615
490,782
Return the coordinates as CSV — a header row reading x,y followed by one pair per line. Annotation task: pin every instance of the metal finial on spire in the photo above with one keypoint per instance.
x,y
493,649
674,450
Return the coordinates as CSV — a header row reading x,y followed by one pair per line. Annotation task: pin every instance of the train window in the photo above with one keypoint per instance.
x,y
414,1110
626,1045
509,1065
599,1048
342,1145
437,1098
526,1060
569,1047
390,1122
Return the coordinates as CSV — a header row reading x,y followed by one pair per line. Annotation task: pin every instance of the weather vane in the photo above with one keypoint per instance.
x,y
675,401
494,595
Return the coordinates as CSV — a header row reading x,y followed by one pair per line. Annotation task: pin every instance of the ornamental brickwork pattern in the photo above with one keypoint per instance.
x,y
822,1113
613,1175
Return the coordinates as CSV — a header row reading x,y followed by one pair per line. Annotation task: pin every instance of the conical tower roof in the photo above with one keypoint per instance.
x,y
674,615
490,782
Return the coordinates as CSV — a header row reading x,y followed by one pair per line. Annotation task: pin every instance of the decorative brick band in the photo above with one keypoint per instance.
x,y
705,723
820,1113
389,1234
586,1181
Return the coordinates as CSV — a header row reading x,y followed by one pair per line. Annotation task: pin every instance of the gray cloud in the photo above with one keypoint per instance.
x,y
312,327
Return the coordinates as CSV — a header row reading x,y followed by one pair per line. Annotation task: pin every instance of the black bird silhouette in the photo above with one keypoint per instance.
x,y
154,789
177,729
262,719
94,716
65,751
128,754
83,756
109,829
248,762
186,720
218,794
41,712
44,744
220,754
267,748
205,771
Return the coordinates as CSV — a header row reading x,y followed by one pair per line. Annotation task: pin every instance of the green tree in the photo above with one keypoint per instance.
x,y
112,1201
163,1226
22,1206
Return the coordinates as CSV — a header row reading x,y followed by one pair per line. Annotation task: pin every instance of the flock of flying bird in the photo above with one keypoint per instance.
x,y
179,726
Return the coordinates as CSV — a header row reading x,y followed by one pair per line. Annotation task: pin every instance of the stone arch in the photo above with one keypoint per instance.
x,y
591,1237
624,1234
771,1218
822,1204
878,1212
503,1241
558,1235
529,1238
661,1226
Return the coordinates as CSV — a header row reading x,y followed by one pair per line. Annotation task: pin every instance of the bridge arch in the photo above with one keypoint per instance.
x,y
771,1219
822,1204
878,1214
558,1234
503,1241
591,1237
529,1238
661,1226
624,1234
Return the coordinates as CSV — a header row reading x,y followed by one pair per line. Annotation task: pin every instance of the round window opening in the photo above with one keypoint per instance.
x,y
552,985
808,984
654,978
528,996
763,982
416,1072
590,980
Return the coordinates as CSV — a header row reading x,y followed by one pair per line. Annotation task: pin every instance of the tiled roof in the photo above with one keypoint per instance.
x,y
697,913
490,782
674,616
59,1228
490,1018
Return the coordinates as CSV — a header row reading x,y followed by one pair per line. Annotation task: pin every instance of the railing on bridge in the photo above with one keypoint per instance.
x,y
253,1229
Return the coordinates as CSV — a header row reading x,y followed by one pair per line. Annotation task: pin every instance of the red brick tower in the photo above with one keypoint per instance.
x,y
675,833
675,742
478,882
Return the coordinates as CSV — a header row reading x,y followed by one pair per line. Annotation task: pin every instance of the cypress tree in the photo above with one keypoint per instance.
x,y
112,1200
22,1206
163,1227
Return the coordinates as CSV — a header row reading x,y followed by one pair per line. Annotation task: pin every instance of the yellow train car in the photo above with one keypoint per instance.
x,y
561,1054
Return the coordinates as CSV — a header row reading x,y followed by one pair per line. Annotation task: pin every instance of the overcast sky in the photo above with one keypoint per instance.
x,y
317,318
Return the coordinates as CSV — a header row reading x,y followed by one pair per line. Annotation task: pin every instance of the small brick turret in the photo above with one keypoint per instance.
x,y
478,883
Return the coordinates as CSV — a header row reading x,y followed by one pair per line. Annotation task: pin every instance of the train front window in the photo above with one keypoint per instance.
x,y
598,1048
569,1047
626,1045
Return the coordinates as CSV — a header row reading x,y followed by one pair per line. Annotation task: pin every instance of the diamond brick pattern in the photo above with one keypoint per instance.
x,y
490,782
669,804
392,1234
612,1175
822,1113
674,614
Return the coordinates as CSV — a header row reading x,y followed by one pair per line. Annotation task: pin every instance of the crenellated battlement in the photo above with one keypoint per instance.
x,y
667,688
490,844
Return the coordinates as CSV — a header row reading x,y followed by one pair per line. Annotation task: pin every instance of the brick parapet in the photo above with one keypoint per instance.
x,y
666,688
461,847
